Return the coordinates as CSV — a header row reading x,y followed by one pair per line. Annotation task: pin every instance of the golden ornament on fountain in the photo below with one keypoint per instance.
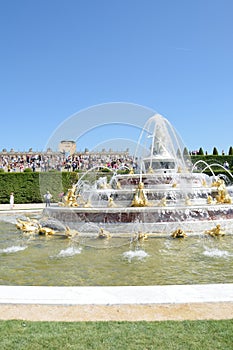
x,y
70,199
163,202
140,198
131,171
150,170
111,203
27,226
210,199
47,231
179,233
187,201
140,236
104,233
70,233
215,232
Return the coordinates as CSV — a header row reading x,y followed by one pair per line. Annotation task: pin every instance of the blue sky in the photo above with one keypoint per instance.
x,y
59,57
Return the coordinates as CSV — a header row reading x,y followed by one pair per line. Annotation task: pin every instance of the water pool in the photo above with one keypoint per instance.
x,y
55,261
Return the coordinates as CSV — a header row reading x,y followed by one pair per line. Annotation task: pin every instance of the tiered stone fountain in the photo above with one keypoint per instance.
x,y
165,192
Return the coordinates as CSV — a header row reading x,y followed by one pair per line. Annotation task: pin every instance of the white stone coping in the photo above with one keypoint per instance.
x,y
5,208
174,294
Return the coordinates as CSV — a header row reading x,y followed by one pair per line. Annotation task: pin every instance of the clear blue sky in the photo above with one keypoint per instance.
x,y
62,56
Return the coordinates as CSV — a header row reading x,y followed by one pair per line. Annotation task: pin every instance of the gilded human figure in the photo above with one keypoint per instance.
x,y
140,198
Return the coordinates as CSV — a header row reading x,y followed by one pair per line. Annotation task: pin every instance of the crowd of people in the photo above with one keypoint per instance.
x,y
61,162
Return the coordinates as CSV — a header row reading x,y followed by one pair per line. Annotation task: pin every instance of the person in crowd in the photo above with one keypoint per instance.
x,y
12,200
47,197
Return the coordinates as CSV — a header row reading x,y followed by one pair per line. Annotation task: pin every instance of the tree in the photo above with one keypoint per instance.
x,y
178,153
215,151
230,153
201,152
185,152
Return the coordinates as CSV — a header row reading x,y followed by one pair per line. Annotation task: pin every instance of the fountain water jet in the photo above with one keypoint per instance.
x,y
165,195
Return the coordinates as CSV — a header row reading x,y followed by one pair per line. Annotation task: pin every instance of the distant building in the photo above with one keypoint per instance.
x,y
67,147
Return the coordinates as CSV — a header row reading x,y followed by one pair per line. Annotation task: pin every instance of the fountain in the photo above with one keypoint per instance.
x,y
164,223
164,195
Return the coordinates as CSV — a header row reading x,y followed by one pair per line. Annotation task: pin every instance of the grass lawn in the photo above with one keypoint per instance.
x,y
184,335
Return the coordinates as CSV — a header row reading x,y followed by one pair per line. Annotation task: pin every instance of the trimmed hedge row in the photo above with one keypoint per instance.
x,y
211,159
30,187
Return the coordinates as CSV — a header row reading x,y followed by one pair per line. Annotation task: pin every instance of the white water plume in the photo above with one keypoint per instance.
x,y
12,249
217,253
68,252
135,254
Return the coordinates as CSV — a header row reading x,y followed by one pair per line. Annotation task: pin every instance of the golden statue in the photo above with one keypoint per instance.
x,y
70,199
204,183
118,185
179,170
104,233
210,200
216,183
111,203
215,232
140,237
140,198
70,233
150,170
163,202
178,234
32,226
28,226
131,172
187,201
47,231
222,196
88,204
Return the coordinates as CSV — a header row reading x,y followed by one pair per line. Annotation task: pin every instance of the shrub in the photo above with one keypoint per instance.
x,y
27,170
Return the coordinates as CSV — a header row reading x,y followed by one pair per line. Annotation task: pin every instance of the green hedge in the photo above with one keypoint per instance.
x,y
211,159
30,187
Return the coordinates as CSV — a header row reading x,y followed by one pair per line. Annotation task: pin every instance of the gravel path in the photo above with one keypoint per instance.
x,y
154,312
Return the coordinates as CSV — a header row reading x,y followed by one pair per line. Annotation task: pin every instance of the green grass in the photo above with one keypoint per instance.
x,y
185,335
